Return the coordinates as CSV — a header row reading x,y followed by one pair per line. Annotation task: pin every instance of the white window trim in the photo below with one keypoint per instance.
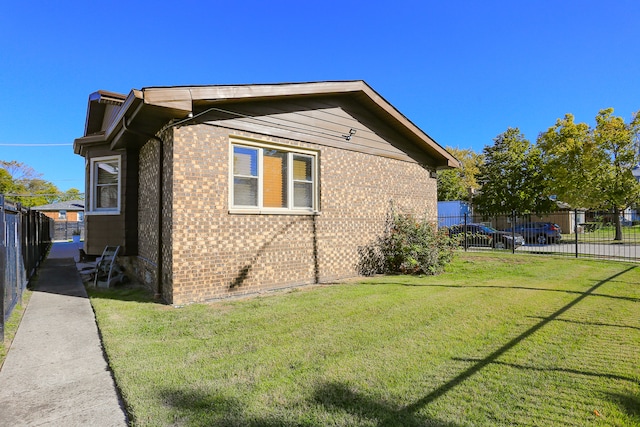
x,y
291,151
92,196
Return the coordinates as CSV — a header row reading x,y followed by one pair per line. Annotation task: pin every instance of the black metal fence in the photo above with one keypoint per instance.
x,y
575,233
25,236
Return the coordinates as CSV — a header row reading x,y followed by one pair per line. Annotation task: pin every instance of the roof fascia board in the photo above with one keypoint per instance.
x,y
103,96
79,144
114,130
276,90
134,95
179,98
183,97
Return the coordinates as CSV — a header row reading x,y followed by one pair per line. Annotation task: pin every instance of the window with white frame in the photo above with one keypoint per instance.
x,y
105,184
62,214
273,179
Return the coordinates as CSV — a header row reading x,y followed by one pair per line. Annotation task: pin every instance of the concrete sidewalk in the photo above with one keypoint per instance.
x,y
55,373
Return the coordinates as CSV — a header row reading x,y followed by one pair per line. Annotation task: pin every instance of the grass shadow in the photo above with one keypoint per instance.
x,y
630,405
339,397
606,325
520,288
131,292
492,358
202,409
563,370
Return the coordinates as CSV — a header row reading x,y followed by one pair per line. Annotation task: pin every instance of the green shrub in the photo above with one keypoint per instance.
x,y
408,246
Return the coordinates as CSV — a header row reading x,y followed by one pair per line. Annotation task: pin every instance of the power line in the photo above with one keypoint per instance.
x,y
33,145
80,195
299,127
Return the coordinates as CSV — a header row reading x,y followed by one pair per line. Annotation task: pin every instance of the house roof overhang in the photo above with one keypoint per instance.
x,y
144,112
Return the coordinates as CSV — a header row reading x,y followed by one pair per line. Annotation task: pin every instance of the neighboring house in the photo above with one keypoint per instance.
x,y
68,218
221,191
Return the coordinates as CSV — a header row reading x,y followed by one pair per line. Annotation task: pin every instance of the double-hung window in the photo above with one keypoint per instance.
x,y
105,184
273,179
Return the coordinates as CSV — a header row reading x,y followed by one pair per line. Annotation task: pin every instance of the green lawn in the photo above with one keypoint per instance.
x,y
606,234
497,340
11,326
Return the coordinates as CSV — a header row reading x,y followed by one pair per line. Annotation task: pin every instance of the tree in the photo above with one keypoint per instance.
x,y
6,183
592,167
617,140
571,162
39,192
19,171
22,184
450,186
511,177
71,194
455,184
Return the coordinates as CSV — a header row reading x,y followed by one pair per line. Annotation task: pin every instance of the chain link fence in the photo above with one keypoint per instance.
x,y
25,236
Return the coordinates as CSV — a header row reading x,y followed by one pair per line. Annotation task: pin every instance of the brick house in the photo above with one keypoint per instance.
x,y
68,218
221,191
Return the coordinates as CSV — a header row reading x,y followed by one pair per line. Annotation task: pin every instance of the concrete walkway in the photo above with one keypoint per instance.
x,y
55,373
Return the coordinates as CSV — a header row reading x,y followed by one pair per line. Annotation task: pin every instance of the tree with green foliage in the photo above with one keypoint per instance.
x,y
20,183
511,177
71,194
571,162
618,141
592,167
456,184
6,182
39,192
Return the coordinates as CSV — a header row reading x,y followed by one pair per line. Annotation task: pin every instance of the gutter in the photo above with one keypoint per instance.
x,y
131,108
159,264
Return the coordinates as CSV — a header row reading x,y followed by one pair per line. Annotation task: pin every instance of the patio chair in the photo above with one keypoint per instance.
x,y
108,272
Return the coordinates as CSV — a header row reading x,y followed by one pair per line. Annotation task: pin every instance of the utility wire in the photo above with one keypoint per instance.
x,y
80,195
271,123
33,145
302,130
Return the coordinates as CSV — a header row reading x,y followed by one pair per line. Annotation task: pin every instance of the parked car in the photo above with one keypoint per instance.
x,y
483,235
539,232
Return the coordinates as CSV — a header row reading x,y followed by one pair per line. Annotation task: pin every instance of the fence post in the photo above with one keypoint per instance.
x,y
466,244
3,258
575,228
513,231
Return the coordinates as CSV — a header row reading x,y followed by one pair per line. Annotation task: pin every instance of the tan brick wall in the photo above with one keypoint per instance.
x,y
144,264
72,216
215,254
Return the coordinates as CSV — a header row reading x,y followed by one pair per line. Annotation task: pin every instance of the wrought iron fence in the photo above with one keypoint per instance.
x,y
25,236
575,233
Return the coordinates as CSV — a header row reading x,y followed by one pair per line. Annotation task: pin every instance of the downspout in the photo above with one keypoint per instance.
x,y
158,292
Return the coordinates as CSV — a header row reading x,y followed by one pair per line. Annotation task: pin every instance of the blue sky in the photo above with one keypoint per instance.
x,y
463,71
